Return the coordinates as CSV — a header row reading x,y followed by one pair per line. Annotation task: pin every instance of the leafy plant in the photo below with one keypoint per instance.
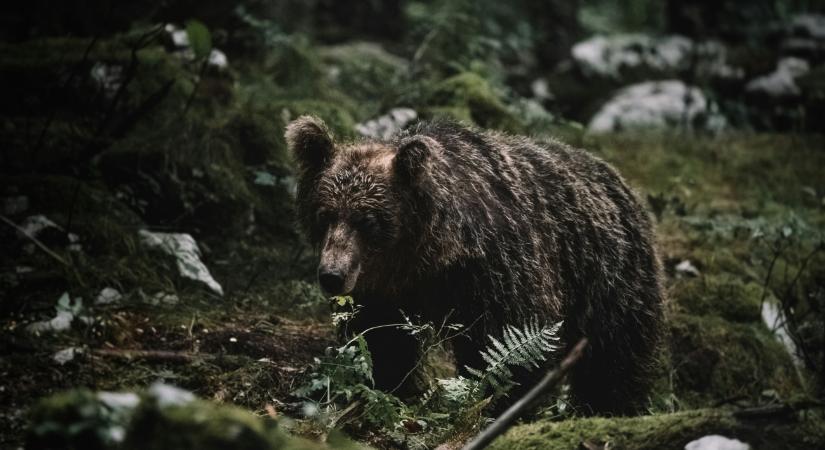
x,y
199,39
343,378
526,347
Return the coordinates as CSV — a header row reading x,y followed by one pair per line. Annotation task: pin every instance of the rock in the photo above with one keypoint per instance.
x,y
62,321
163,417
470,98
366,72
686,268
178,39
384,127
187,255
109,78
806,37
33,226
781,83
108,296
217,59
166,395
162,298
716,442
61,357
657,104
636,57
775,320
178,36
541,90
661,431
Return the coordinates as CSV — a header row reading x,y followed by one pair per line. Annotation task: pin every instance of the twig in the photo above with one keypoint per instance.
x,y
36,241
776,411
169,356
201,73
506,420
343,413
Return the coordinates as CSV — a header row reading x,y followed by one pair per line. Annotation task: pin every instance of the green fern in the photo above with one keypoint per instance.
x,y
527,347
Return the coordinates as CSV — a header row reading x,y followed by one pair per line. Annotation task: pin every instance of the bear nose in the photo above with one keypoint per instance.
x,y
331,281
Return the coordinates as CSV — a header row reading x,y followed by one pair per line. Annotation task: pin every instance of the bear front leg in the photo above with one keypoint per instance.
x,y
395,353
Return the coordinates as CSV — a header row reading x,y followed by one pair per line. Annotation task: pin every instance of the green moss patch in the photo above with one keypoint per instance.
x,y
664,431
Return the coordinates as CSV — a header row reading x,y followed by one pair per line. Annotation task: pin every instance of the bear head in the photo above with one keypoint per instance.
x,y
352,198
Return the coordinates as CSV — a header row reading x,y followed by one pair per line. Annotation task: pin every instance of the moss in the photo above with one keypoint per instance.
x,y
81,419
719,295
204,426
367,73
338,119
75,420
714,359
470,93
664,431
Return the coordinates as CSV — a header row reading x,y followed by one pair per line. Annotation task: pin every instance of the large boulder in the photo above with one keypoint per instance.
x,y
635,57
162,417
657,104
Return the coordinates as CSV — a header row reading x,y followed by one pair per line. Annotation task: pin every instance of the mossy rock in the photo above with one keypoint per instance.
x,y
469,95
367,73
205,426
714,359
161,418
719,295
663,431
337,118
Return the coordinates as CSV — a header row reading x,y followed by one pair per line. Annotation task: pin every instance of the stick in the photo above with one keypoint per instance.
x,y
506,420
168,356
36,241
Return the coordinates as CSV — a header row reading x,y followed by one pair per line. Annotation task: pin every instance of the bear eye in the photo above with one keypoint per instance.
x,y
367,221
326,217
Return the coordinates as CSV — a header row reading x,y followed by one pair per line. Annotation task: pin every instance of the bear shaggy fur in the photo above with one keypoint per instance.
x,y
484,229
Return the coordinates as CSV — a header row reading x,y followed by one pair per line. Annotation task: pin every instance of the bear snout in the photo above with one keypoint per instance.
x,y
331,281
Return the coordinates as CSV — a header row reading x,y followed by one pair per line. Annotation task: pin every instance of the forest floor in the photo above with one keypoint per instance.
x,y
719,201
111,145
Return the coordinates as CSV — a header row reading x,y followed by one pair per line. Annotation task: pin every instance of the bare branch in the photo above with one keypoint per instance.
x,y
36,241
506,420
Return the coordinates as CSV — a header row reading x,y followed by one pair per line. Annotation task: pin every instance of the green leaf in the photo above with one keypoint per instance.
x,y
199,38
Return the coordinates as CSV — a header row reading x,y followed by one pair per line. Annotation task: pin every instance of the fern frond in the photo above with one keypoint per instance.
x,y
527,346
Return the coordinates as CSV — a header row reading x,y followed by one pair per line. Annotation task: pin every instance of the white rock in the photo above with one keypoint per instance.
x,y
218,59
809,25
657,104
62,321
179,36
687,268
67,354
541,89
167,395
162,298
107,296
119,400
774,319
611,56
781,82
185,250
34,225
716,442
384,127
108,78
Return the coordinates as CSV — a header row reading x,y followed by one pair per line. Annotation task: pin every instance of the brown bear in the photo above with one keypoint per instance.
x,y
486,229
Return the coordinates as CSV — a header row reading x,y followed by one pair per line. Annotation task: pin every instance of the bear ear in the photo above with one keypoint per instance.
x,y
412,155
309,140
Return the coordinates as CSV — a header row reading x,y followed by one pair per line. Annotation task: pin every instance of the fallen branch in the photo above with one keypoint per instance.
x,y
170,356
506,420
36,241
777,411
